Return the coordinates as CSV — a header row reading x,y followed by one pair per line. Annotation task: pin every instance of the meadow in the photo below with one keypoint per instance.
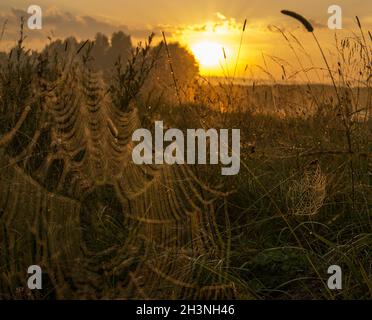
x,y
101,227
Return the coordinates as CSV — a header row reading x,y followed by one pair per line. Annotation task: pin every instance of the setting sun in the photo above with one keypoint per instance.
x,y
208,54
211,150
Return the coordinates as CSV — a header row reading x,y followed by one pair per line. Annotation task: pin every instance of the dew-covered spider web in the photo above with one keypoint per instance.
x,y
72,201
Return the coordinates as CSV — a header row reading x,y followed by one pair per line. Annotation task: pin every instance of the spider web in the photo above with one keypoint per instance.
x,y
151,228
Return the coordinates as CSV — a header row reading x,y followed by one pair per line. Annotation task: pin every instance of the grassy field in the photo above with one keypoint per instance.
x,y
72,201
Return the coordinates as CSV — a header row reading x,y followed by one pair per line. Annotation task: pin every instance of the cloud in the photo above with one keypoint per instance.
x,y
318,25
58,24
62,24
220,16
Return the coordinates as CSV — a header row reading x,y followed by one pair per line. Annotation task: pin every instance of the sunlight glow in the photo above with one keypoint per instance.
x,y
209,54
215,44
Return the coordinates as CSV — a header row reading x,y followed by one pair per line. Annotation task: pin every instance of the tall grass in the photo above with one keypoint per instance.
x,y
301,202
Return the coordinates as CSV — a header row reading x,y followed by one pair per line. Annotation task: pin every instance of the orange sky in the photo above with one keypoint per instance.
x,y
205,27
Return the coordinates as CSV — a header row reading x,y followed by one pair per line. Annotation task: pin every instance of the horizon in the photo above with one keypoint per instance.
x,y
227,158
226,42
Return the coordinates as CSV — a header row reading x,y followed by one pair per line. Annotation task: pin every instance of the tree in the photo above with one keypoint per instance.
x,y
100,50
160,85
121,46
